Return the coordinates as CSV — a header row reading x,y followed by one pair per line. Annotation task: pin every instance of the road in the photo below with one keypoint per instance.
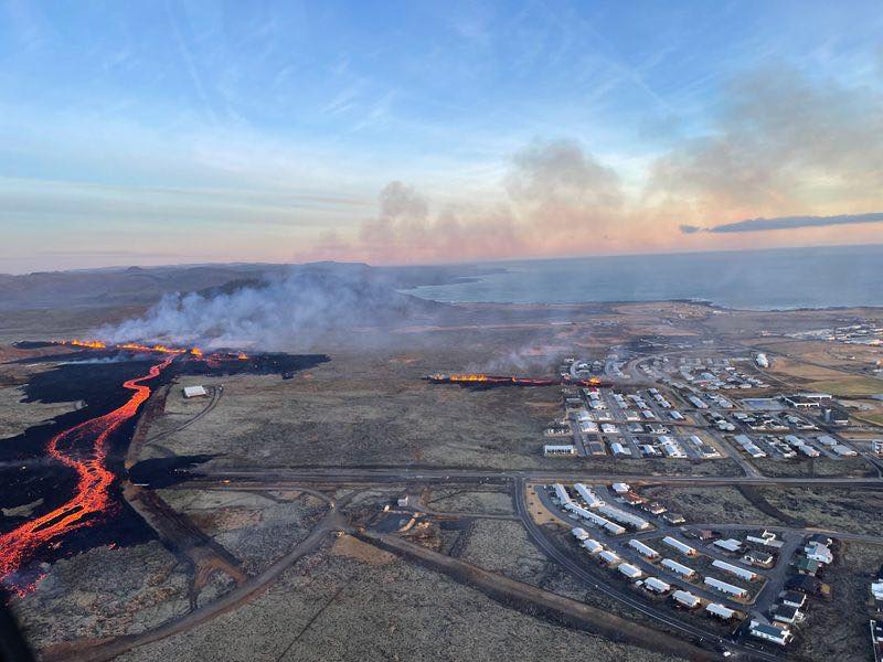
x,y
514,593
227,602
370,475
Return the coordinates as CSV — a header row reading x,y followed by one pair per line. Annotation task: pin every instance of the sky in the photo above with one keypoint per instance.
x,y
432,132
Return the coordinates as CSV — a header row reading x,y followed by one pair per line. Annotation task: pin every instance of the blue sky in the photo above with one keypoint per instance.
x,y
190,132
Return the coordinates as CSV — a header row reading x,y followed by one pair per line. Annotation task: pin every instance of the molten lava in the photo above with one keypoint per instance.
x,y
89,344
195,352
84,449
507,380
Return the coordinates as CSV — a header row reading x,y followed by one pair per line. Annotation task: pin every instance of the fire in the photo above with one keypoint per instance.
x,y
195,352
92,497
500,380
468,378
159,349
89,344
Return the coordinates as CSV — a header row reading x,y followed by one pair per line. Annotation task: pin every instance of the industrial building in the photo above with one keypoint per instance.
x,y
557,450
579,533
195,392
683,548
592,546
630,571
609,558
587,495
749,446
729,544
643,550
724,587
724,613
618,450
735,570
678,568
686,599
561,494
623,517
656,585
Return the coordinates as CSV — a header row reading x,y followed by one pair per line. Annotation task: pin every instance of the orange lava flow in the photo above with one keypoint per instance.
x,y
195,352
91,344
84,449
496,380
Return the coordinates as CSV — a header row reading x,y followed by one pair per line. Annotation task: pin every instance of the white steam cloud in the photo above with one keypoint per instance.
x,y
295,310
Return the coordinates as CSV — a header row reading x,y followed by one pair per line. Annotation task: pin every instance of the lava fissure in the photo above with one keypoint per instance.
x,y
84,449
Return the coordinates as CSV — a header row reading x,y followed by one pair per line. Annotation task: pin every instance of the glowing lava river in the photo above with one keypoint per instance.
x,y
84,449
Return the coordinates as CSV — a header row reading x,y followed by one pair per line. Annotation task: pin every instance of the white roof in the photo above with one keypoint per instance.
x,y
720,610
193,391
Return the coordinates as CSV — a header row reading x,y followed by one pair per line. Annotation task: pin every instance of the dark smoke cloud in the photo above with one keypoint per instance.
x,y
786,223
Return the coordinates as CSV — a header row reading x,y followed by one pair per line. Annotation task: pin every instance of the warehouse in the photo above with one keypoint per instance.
x,y
683,548
591,499
619,450
671,448
594,518
195,392
678,568
554,450
614,529
735,570
609,558
749,446
724,613
592,546
686,599
643,550
561,494
623,517
724,587
843,450
655,585
579,533
630,571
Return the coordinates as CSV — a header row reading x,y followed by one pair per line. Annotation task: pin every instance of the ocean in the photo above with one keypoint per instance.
x,y
820,277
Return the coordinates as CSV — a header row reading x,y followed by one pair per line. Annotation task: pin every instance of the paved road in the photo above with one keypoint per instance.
x,y
370,475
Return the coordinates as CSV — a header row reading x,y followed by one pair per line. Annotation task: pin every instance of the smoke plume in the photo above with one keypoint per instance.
x,y
292,310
